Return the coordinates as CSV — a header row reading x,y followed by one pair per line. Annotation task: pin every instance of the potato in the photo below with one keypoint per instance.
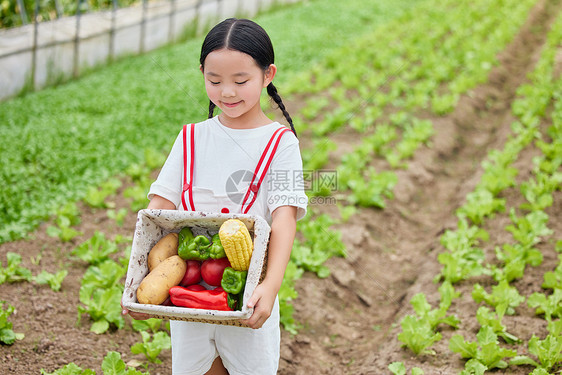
x,y
165,248
154,288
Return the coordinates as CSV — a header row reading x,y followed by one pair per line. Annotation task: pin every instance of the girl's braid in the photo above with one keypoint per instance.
x,y
272,91
211,108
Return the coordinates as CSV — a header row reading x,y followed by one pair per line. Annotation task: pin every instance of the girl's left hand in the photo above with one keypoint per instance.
x,y
262,301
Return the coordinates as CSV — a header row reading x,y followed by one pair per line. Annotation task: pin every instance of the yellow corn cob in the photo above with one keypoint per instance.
x,y
237,243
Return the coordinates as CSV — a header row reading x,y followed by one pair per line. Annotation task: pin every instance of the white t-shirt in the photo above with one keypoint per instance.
x,y
225,160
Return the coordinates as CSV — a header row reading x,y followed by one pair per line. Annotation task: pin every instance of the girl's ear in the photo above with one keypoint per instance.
x,y
201,68
269,75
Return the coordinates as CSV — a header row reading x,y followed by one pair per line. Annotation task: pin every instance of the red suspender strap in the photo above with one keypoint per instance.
x,y
254,188
184,184
188,186
191,166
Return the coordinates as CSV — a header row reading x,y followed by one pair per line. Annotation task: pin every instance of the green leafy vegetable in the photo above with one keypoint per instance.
x,y
66,217
529,229
481,204
548,352
95,250
485,350
13,272
7,335
515,258
105,275
151,349
70,369
151,324
550,306
96,197
418,332
417,335
553,279
104,308
497,178
488,318
538,191
473,367
320,243
464,259
503,297
113,365
437,316
372,190
398,368
288,293
54,280
63,230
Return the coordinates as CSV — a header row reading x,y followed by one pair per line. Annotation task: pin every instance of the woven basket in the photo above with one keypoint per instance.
x,y
152,225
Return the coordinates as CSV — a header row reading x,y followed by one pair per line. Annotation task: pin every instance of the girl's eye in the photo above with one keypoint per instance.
x,y
214,83
241,83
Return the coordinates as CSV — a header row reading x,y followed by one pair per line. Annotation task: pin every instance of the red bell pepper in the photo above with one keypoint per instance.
x,y
199,299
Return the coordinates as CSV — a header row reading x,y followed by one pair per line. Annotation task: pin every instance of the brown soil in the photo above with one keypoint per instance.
x,y
350,320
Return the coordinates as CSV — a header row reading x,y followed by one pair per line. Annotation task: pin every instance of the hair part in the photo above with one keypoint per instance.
x,y
247,37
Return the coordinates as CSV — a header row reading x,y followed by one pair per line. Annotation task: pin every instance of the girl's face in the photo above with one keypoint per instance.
x,y
234,82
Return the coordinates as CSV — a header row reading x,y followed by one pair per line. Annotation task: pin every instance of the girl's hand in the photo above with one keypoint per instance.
x,y
133,314
262,301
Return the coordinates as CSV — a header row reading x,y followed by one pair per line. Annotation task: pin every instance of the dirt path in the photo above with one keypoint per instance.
x,y
350,318
347,318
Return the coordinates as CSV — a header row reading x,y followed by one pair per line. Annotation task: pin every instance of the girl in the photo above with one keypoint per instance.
x,y
239,162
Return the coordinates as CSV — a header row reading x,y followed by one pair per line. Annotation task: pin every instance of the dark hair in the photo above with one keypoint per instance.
x,y
247,37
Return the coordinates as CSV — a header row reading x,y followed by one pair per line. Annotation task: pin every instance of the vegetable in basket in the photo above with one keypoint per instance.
x,y
235,301
216,250
192,274
193,247
233,281
200,299
212,270
165,248
154,288
237,243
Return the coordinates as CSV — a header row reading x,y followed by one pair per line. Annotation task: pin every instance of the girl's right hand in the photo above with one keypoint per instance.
x,y
135,315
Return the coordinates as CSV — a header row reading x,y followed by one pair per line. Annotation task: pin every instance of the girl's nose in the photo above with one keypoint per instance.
x,y
228,91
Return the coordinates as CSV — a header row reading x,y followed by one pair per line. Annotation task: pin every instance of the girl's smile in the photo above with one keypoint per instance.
x,y
231,105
